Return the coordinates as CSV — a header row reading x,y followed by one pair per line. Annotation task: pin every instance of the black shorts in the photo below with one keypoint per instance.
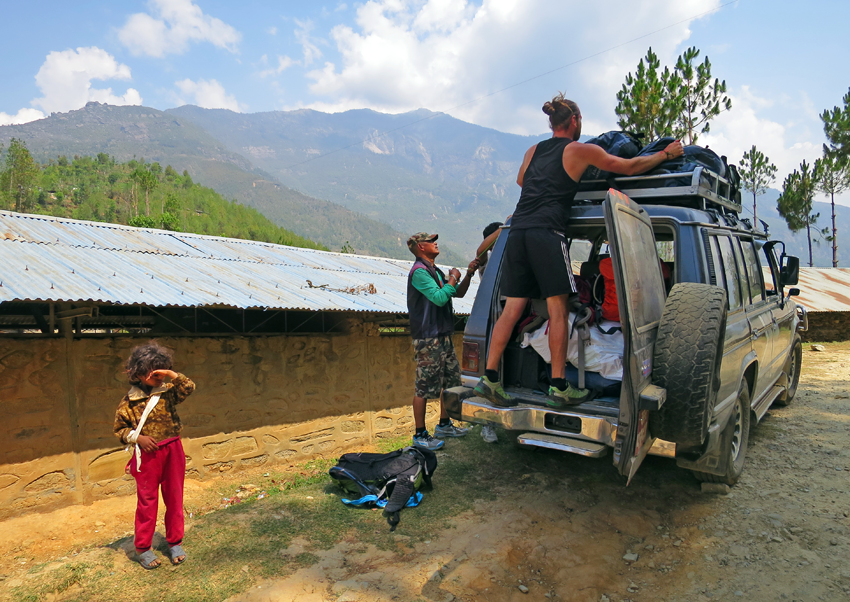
x,y
537,265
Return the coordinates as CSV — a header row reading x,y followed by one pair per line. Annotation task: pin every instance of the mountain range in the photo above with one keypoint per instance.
x,y
358,178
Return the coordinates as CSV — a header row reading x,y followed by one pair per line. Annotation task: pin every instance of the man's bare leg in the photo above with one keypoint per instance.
x,y
558,336
490,387
561,393
503,330
419,405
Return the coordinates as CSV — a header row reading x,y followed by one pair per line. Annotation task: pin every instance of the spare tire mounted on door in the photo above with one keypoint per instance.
x,y
686,362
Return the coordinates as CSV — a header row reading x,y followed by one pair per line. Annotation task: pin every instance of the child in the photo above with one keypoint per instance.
x,y
147,421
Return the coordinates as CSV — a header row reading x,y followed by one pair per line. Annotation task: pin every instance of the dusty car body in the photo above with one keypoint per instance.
x,y
705,354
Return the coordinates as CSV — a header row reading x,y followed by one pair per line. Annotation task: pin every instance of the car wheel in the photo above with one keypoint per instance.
x,y
735,442
793,369
686,362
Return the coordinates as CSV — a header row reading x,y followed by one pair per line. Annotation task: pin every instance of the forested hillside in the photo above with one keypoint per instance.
x,y
137,193
413,171
130,132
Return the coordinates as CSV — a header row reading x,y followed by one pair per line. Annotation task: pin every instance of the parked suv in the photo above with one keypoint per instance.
x,y
704,353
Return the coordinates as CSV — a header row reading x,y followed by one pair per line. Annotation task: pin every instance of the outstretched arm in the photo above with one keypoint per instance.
x,y
579,156
464,284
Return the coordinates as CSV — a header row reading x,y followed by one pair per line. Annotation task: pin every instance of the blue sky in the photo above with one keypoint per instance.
x,y
784,62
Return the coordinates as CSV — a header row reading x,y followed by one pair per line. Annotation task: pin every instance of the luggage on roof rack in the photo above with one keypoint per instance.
x,y
698,189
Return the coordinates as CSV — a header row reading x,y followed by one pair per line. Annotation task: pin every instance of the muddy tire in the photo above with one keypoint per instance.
x,y
735,441
793,367
686,362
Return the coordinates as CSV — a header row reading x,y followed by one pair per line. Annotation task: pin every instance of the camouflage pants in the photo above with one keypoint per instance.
x,y
437,367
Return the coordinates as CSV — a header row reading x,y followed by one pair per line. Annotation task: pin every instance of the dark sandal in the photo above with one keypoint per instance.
x,y
148,560
177,552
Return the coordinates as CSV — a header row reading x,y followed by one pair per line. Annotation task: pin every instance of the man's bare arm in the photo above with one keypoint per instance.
x,y
488,242
579,156
464,284
525,161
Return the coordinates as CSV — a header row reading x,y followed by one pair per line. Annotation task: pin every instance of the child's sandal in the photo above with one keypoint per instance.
x,y
148,560
177,554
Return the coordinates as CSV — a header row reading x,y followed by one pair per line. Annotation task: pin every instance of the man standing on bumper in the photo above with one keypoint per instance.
x,y
537,259
432,325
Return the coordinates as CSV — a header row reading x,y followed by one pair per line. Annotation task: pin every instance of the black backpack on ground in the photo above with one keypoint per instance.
x,y
389,481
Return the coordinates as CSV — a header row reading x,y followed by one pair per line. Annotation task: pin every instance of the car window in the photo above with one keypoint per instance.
x,y
772,261
730,272
643,282
754,274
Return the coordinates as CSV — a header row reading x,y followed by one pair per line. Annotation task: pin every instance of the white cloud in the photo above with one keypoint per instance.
x,y
65,80
272,31
22,116
302,34
175,24
786,143
283,63
208,94
441,54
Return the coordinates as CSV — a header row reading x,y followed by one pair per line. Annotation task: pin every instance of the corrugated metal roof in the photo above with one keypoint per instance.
x,y
46,258
822,289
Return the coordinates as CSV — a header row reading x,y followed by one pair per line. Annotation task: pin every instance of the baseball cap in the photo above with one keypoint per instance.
x,y
420,237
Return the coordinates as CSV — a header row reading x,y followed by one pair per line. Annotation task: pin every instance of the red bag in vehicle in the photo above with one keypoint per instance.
x,y
610,307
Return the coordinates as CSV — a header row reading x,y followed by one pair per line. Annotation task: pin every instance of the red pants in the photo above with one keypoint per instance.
x,y
166,468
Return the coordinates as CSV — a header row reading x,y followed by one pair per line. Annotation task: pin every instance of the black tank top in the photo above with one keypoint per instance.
x,y
547,191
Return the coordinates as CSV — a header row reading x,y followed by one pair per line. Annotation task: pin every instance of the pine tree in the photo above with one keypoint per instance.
x,y
648,102
701,99
20,178
757,173
679,102
795,203
836,126
832,176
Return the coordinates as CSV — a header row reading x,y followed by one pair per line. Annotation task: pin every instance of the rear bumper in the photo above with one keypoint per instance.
x,y
569,426
462,405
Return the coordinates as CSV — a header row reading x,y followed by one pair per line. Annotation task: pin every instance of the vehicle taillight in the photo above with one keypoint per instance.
x,y
469,361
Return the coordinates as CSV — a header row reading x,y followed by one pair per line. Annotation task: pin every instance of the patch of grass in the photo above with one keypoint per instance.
x,y
229,549
387,445
57,581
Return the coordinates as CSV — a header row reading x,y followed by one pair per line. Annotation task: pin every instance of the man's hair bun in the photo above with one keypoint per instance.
x,y
560,111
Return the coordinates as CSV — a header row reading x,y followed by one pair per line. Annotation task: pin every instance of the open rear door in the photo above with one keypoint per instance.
x,y
641,296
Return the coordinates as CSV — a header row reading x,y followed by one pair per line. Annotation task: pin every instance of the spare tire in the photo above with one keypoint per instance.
x,y
686,362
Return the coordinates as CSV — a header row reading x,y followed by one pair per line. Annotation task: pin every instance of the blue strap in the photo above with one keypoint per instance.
x,y
368,501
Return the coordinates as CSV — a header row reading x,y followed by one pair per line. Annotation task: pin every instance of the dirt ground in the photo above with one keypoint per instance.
x,y
521,525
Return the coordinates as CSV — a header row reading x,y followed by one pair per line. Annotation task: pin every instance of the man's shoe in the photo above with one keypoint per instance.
x,y
494,393
488,433
426,441
449,430
571,396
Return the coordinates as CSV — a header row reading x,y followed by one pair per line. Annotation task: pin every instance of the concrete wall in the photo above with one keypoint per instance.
x,y
259,401
827,326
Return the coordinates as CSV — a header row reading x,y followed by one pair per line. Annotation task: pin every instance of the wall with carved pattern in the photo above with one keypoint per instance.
x,y
259,401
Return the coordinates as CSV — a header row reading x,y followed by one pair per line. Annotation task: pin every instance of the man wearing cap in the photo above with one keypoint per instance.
x,y
432,324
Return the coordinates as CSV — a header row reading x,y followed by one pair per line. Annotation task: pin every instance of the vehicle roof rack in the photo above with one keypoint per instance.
x,y
698,189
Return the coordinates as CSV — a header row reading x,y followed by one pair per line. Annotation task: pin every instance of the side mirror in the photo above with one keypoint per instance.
x,y
794,292
789,273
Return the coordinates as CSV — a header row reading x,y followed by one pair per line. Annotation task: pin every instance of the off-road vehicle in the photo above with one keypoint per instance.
x,y
704,354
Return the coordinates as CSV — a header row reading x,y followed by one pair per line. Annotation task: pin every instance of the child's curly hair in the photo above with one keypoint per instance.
x,y
146,358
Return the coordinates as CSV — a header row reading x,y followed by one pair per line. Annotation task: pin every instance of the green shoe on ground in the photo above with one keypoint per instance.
x,y
571,396
494,393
